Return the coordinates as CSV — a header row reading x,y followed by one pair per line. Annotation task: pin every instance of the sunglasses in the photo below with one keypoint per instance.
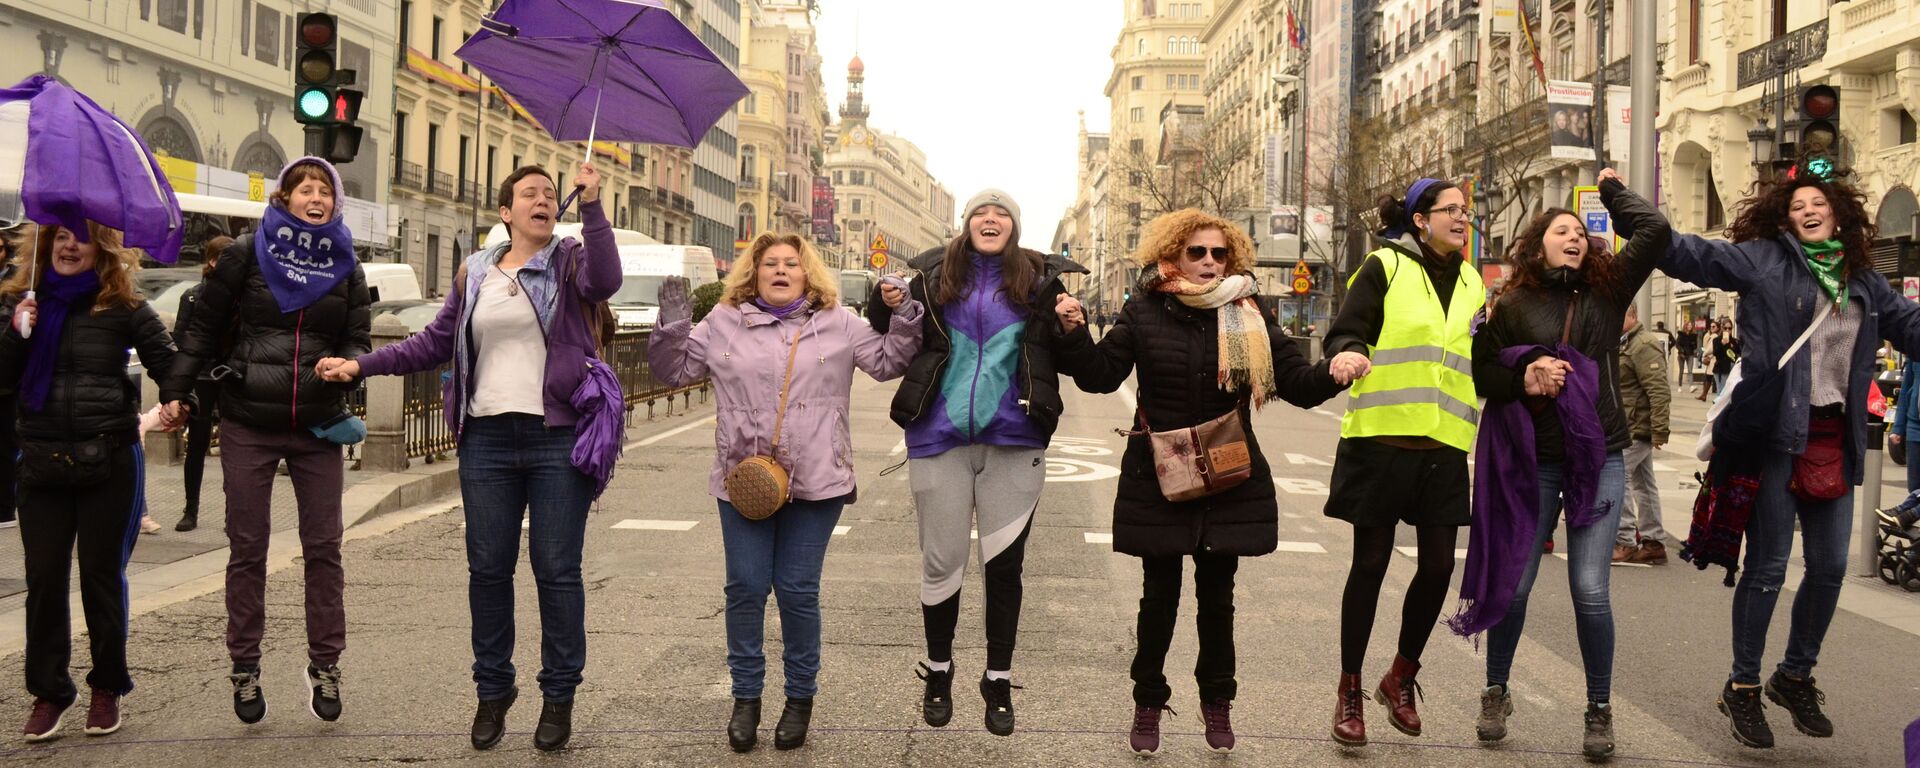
x,y
1198,252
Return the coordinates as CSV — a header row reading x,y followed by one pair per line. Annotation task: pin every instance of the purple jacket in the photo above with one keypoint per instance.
x,y
744,349
569,340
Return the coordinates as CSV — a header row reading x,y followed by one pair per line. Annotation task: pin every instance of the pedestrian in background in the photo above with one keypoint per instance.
x,y
979,404
1647,397
778,344
1799,254
1203,349
15,239
1724,351
1686,346
80,467
1411,309
520,330
286,295
206,390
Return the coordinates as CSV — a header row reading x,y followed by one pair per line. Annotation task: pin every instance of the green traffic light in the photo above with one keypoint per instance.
x,y
313,104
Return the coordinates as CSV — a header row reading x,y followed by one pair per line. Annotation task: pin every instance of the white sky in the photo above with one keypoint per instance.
x,y
987,88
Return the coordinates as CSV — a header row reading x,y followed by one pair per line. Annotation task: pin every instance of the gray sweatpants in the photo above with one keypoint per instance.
x,y
1642,510
1000,486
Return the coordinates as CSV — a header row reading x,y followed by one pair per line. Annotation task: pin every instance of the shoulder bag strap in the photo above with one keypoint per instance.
x,y
1819,316
793,350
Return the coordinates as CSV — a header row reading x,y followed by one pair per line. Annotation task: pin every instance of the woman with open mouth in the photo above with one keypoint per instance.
x,y
1812,313
1548,363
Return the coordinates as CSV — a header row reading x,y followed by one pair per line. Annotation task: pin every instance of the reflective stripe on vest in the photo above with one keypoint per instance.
x,y
1422,379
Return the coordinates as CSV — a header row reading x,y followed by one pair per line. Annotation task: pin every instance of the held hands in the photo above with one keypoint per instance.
x,y
674,304
1072,316
1546,376
1348,367
337,370
174,415
589,181
892,295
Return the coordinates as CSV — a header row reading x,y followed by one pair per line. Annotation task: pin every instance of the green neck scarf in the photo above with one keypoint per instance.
x,y
1827,260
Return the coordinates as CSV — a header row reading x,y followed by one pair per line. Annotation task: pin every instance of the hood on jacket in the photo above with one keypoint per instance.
x,y
1052,264
333,179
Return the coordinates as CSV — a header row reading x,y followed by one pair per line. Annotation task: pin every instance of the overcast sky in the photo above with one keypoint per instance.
x,y
988,88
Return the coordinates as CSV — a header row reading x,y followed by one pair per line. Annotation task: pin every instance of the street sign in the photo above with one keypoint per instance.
x,y
1300,270
1910,287
1592,213
878,261
879,244
1302,286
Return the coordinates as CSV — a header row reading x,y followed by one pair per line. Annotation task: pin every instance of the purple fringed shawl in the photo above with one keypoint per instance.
x,y
1506,486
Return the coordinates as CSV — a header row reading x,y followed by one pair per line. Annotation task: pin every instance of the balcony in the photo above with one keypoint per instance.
x,y
440,183
749,183
408,176
470,192
660,197
1785,53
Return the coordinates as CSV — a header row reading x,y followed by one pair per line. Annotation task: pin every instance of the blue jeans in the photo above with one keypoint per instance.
x,y
1589,555
512,465
1913,469
783,554
1824,530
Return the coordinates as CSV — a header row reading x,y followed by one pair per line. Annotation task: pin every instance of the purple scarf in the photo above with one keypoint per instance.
x,y
1506,487
780,312
56,296
300,261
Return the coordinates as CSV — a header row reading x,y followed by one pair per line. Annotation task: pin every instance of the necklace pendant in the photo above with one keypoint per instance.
x,y
513,289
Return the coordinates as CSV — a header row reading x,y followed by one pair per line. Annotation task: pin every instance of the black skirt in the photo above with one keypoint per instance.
x,y
1375,484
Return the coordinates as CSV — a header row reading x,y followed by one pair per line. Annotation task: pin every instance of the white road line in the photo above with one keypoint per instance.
x,y
1290,516
1301,458
669,433
1096,537
656,525
1300,546
1308,529
841,530
1327,413
1300,486
1414,552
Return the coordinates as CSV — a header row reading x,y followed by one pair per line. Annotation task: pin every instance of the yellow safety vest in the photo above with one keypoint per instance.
x,y
1422,379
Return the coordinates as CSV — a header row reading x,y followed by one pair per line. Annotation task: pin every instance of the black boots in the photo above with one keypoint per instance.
x,y
490,720
190,519
791,733
556,726
743,729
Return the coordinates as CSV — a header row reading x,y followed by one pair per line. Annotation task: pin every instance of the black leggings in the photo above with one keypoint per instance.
x,y
1213,620
1003,578
1426,595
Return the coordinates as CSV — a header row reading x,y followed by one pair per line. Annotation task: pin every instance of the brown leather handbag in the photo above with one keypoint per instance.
x,y
1201,460
758,486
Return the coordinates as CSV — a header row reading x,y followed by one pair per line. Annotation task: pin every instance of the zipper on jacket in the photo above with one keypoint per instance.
x,y
293,414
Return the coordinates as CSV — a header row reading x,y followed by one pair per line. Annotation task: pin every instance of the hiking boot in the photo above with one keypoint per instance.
x,y
936,705
556,726
1898,520
1496,704
1349,714
1623,553
1598,742
490,719
43,722
325,685
1803,700
1397,692
1651,552
103,713
1747,716
999,697
1145,737
249,704
1219,724
791,731
189,519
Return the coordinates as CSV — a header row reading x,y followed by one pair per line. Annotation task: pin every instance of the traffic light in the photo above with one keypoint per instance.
x,y
1819,122
314,72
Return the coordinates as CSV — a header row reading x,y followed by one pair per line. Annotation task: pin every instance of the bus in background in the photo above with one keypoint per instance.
x,y
644,267
856,287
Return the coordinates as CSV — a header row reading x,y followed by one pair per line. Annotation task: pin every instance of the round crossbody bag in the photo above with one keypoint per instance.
x,y
758,486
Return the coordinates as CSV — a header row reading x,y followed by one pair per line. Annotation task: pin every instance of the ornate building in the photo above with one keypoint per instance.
x,y
883,186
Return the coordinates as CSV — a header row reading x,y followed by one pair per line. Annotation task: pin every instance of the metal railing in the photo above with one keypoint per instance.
x,y
441,183
408,175
1787,52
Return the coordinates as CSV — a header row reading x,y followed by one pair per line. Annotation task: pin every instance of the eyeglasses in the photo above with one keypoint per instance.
x,y
1453,211
1198,252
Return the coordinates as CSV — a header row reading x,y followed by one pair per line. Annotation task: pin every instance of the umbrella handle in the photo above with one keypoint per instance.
x,y
24,323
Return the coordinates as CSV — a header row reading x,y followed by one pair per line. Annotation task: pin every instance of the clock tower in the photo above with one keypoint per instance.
x,y
854,112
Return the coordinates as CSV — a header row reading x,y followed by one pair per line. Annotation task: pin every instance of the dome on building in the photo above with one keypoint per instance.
x,y
856,66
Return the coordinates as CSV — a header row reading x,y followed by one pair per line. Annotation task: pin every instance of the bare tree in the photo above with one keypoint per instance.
x,y
1508,145
1197,165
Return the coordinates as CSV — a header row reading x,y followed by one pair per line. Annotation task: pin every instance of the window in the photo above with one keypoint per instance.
x,y
856,205
1693,31
837,179
461,163
1137,114
749,160
1139,81
746,223
493,154
1141,48
1170,85
1903,128
173,15
399,141
433,150
406,23
433,45
266,35
1716,213
1136,146
1133,178
1779,17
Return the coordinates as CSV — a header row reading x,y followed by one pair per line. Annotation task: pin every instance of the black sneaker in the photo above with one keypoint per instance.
x,y
1748,716
325,686
556,726
999,696
1803,700
249,704
936,705
490,719
1597,744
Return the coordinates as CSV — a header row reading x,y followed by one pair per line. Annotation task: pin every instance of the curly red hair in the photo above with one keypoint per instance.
x,y
1167,237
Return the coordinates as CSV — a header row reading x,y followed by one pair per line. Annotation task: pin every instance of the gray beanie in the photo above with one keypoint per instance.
x,y
991,196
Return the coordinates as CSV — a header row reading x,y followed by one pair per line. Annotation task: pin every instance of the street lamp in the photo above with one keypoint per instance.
x,y
1762,139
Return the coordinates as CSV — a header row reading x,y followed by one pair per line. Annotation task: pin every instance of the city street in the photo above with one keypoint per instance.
x,y
656,683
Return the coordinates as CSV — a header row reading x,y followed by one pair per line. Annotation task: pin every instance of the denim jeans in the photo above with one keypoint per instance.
x,y
1824,530
782,554
512,466
1589,555
1913,471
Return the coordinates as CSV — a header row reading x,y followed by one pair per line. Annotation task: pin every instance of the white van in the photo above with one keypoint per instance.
x,y
391,282
644,267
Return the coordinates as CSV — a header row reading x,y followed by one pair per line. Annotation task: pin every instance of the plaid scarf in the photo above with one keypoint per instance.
x,y
1246,353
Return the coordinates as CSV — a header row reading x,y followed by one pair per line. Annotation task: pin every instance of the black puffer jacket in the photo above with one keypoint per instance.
x,y
1039,373
1535,314
91,394
1176,349
273,385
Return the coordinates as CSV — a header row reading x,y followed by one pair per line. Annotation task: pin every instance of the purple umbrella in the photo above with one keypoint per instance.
x,y
69,160
600,435
569,61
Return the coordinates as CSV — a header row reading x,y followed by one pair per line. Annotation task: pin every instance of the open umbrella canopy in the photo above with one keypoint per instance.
x,y
68,160
618,70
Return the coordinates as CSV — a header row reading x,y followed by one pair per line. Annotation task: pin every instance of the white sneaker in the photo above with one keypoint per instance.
x,y
148,526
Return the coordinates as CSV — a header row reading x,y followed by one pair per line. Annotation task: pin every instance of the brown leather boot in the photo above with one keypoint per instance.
x,y
1397,692
1349,713
1651,552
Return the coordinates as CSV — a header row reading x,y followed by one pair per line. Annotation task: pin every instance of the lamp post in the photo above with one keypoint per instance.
x,y
1765,149
1488,197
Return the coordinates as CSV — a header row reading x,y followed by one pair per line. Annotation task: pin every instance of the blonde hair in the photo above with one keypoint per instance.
x,y
1167,236
116,265
823,286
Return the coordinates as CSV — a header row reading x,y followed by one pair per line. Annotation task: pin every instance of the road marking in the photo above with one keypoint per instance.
x,y
1301,486
669,433
1327,413
656,525
1061,470
1307,529
1096,537
841,530
1301,458
1300,546
1414,552
1290,516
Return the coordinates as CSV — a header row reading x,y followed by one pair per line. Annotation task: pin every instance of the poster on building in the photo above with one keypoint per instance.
x,y
1506,17
1570,119
1619,125
823,205
1273,171
1284,222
